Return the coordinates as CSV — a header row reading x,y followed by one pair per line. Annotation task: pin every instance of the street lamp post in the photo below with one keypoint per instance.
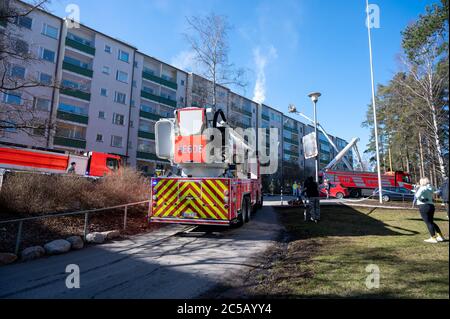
x,y
314,98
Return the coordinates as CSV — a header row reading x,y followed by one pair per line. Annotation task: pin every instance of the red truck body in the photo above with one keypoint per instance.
x,y
202,201
358,181
94,164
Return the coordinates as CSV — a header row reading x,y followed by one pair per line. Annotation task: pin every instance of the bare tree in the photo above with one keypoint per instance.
x,y
427,82
17,109
208,38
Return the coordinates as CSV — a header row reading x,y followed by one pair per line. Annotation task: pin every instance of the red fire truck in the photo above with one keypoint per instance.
x,y
90,164
357,182
222,191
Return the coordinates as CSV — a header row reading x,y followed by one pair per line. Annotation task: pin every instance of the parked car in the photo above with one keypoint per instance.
x,y
395,193
336,190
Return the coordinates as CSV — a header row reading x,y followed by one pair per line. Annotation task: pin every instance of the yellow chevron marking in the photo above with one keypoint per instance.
x,y
164,196
176,194
180,199
166,185
211,184
222,185
210,202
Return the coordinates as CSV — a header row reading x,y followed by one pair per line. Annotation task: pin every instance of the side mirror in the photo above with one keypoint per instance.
x,y
164,138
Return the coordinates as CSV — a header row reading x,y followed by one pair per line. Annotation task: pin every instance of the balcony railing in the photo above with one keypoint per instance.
x,y
69,142
147,135
159,80
150,116
80,46
291,129
76,93
72,117
288,140
289,152
242,111
149,156
77,69
158,99
265,117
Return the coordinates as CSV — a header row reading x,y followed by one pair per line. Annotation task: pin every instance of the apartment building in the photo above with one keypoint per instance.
x,y
109,96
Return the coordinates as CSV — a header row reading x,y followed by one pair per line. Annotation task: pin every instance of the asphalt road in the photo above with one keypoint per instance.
x,y
161,264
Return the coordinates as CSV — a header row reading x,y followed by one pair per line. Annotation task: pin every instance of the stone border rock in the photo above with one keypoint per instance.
x,y
59,246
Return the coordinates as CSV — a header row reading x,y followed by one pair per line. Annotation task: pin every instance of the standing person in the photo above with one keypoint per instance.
x,y
295,189
327,187
312,193
72,168
444,193
424,199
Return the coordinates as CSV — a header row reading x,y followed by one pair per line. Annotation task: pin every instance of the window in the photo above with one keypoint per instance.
x,y
116,141
41,104
108,49
118,119
12,98
21,46
112,163
182,82
24,21
45,79
18,72
9,126
50,31
101,115
103,92
136,64
99,138
120,98
47,55
124,56
106,70
122,76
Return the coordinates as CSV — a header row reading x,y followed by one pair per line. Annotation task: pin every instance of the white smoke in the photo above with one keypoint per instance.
x,y
261,60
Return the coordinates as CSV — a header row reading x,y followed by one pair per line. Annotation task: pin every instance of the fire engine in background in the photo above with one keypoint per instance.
x,y
361,183
93,164
223,191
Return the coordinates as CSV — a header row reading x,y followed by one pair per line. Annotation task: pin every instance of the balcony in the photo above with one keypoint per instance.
x,y
77,69
72,117
76,93
159,80
150,116
289,152
149,156
69,142
80,46
265,117
288,140
158,99
147,135
242,111
291,129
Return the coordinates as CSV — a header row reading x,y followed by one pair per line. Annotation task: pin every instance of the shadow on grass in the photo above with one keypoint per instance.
x,y
342,221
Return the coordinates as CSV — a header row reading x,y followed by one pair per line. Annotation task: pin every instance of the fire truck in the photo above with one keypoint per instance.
x,y
222,188
93,164
360,183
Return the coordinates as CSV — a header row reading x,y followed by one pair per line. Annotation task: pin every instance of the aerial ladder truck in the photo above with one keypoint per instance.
x,y
217,187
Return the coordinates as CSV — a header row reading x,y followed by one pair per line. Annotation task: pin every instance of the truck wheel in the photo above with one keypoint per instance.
x,y
339,196
248,209
355,193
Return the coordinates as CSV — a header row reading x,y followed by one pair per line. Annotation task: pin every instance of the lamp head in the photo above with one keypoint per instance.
x,y
315,96
292,108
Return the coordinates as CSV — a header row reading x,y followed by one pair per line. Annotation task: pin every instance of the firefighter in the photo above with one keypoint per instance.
x,y
311,189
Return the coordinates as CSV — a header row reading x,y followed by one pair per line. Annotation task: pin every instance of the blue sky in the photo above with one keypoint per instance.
x,y
305,45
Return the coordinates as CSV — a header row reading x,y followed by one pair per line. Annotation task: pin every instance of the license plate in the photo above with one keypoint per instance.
x,y
189,215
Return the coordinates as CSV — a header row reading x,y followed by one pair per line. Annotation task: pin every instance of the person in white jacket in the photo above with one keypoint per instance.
x,y
424,199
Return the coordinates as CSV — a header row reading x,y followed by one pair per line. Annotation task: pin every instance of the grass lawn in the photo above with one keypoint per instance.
x,y
329,259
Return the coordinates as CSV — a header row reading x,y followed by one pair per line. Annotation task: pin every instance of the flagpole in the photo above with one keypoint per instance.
x,y
380,188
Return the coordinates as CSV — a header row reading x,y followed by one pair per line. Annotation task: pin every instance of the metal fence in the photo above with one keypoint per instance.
x,y
86,214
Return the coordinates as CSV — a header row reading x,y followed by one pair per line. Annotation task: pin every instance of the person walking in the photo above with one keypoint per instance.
x,y
311,189
424,199
295,189
327,188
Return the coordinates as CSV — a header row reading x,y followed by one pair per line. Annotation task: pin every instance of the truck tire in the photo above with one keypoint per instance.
x,y
355,193
260,203
339,195
248,209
